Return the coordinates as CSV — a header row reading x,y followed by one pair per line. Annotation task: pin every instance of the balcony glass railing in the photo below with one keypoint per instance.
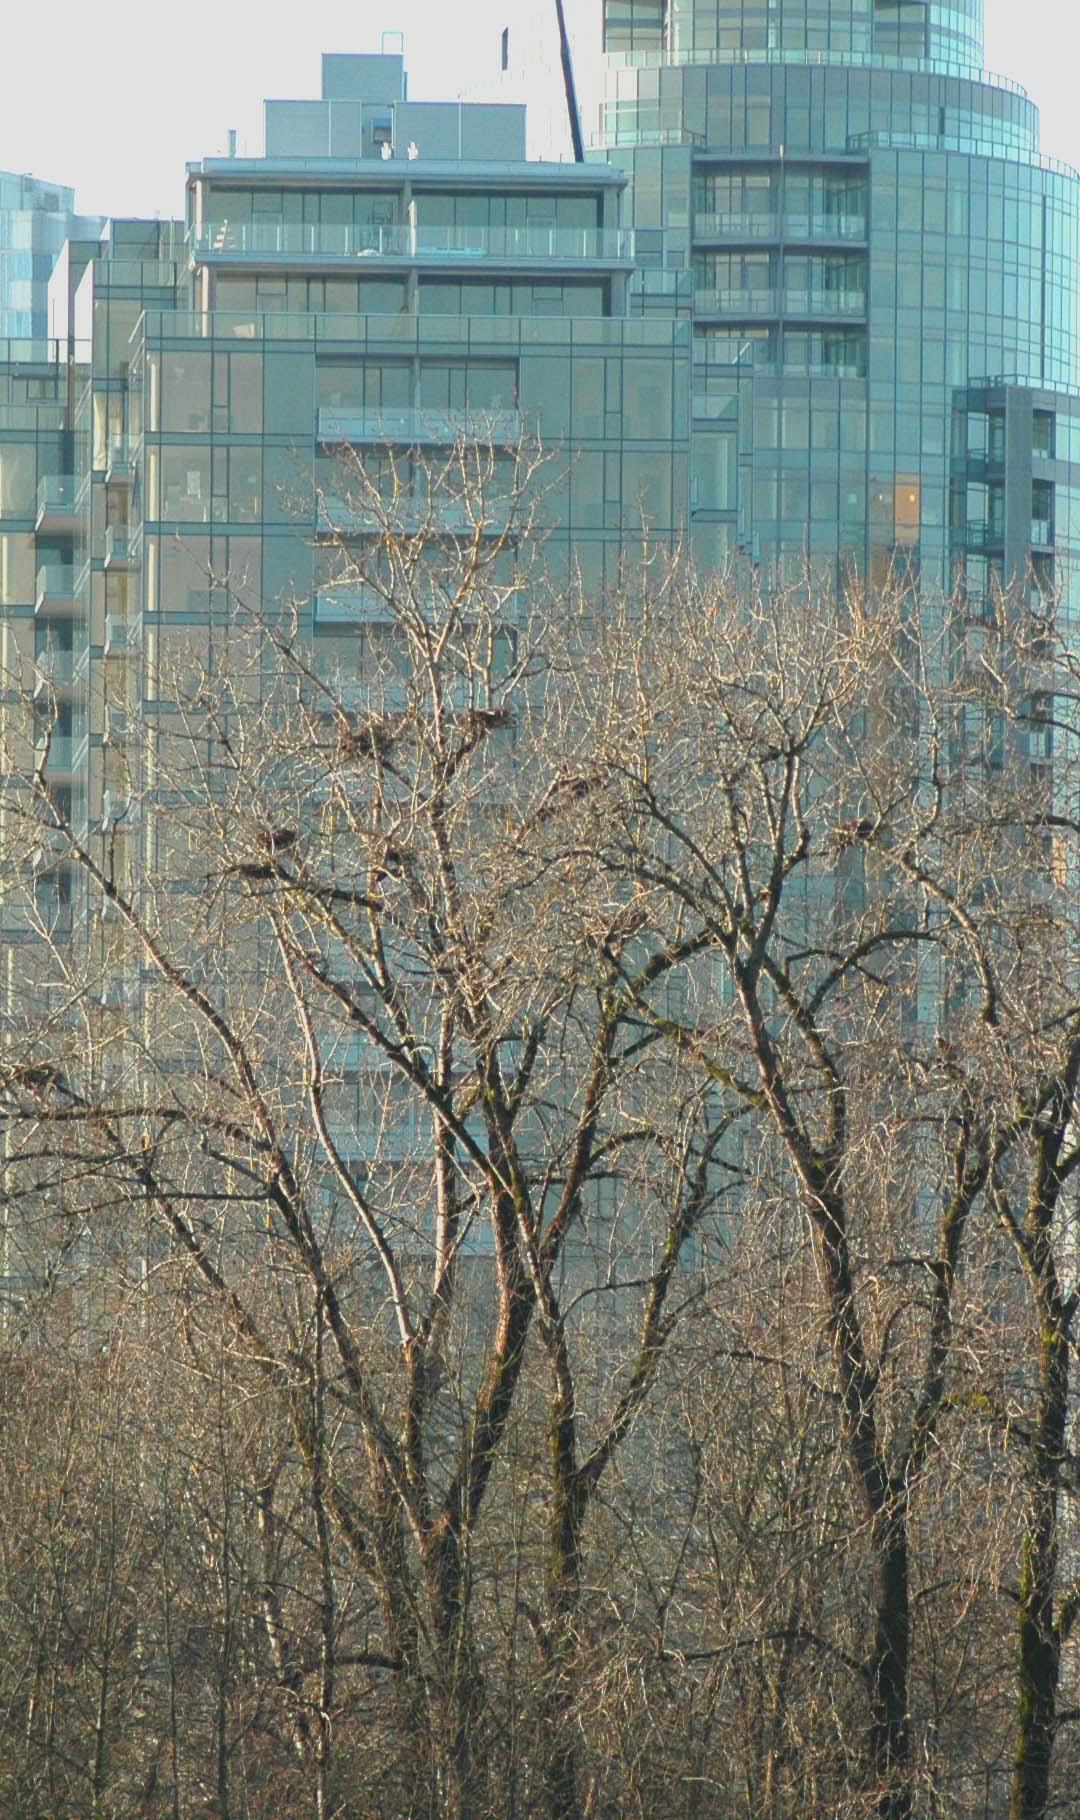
x,y
863,60
982,534
408,514
294,240
708,302
412,331
56,664
1042,530
120,634
825,303
625,133
56,496
56,581
117,544
118,460
779,227
349,606
417,425
61,747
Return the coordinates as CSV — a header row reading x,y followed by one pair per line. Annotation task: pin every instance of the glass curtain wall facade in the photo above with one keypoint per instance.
x,y
870,236
175,455
35,220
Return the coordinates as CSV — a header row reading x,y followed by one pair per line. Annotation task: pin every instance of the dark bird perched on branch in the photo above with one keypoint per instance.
x,y
560,794
475,722
277,840
392,863
848,834
37,1077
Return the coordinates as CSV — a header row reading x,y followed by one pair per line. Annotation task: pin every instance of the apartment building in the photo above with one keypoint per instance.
x,y
812,295
389,281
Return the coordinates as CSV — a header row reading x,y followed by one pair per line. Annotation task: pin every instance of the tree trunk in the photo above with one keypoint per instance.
x,y
454,1687
1039,1638
890,1734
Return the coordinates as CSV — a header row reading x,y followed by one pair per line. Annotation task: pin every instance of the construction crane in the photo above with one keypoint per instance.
x,y
568,84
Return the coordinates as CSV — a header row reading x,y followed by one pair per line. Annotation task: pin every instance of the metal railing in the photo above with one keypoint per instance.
x,y
623,133
952,142
410,332
784,226
119,634
24,350
864,60
779,303
350,607
118,460
418,425
56,581
409,514
56,664
56,496
266,239
61,747
118,548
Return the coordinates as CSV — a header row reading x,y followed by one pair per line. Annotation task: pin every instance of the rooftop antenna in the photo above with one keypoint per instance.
x,y
568,85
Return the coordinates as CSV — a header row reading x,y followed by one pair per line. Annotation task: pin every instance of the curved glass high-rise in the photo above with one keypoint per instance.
x,y
884,278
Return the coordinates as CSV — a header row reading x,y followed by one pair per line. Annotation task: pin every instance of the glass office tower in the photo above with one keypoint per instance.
x,y
880,258
35,220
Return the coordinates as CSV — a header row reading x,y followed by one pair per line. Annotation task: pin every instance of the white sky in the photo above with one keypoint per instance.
x,y
115,97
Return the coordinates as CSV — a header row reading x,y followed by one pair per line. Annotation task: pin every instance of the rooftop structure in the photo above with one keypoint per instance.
x,y
35,220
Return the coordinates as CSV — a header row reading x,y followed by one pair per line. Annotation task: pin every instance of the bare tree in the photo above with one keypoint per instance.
x,y
381,1084
571,1104
845,816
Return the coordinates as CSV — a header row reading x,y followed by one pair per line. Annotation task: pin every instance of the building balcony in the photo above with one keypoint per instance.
x,y
118,471
119,995
419,426
119,551
57,511
349,607
121,635
412,516
115,808
57,589
797,305
55,666
646,135
981,534
279,243
62,750
646,122
738,230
